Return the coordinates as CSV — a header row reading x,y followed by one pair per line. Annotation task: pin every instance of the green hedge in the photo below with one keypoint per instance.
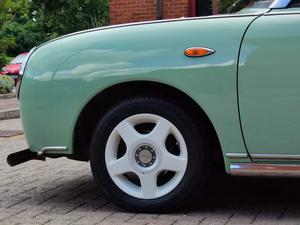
x,y
6,84
224,5
230,6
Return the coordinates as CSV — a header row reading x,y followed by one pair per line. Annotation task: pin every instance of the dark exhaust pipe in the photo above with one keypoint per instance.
x,y
23,156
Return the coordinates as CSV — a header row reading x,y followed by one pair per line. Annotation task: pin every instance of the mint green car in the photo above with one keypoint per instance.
x,y
157,107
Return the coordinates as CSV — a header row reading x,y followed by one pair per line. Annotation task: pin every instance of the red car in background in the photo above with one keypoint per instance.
x,y
13,68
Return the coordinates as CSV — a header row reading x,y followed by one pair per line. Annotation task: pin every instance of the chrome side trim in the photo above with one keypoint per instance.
x,y
281,157
236,155
256,169
279,4
53,150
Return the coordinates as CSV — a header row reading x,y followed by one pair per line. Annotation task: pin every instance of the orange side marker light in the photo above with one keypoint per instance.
x,y
198,52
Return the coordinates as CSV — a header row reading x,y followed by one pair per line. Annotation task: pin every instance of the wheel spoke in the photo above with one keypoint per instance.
x,y
161,131
146,156
148,185
119,166
173,162
128,133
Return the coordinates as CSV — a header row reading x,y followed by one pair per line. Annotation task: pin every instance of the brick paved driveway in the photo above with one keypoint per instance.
x,y
61,191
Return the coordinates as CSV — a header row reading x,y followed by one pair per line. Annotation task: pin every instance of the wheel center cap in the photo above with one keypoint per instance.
x,y
145,156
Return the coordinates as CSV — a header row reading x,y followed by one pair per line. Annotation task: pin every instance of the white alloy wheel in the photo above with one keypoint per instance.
x,y
146,156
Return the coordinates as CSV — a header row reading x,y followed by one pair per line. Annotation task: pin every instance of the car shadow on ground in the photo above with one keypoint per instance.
x,y
238,194
273,198
258,190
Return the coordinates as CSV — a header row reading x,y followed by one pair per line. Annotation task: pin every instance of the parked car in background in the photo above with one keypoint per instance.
x,y
12,69
157,107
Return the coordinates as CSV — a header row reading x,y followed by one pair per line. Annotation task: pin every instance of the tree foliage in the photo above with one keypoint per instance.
x,y
66,16
224,5
23,26
6,84
5,41
27,23
230,6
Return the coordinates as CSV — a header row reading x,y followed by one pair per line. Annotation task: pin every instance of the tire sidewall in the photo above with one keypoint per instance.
x,y
196,154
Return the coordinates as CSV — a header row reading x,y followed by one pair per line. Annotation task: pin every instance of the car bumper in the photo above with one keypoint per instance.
x,y
23,156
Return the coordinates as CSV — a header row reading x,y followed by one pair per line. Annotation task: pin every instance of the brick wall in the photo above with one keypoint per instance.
x,y
126,11
176,8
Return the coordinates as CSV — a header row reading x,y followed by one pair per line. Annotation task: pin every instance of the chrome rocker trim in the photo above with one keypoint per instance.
x,y
53,150
271,157
256,169
236,155
280,157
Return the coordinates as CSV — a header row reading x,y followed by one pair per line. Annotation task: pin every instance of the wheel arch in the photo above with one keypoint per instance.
x,y
110,96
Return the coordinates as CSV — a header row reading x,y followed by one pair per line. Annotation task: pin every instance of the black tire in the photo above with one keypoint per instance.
x,y
198,171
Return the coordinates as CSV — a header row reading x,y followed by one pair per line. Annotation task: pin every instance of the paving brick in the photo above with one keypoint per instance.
x,y
93,218
8,103
62,191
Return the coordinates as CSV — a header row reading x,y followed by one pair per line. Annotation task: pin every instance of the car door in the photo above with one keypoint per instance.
x,y
269,86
